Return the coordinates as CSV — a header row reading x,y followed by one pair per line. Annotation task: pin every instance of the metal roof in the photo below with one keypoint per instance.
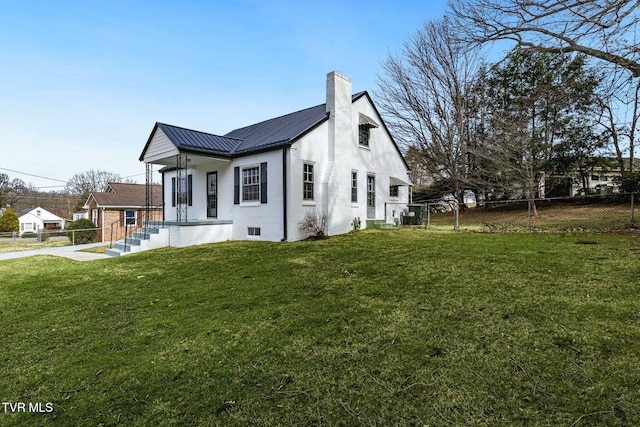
x,y
199,142
267,135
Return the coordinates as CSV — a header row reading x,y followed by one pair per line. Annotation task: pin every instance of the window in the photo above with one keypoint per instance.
x,y
182,192
130,217
354,187
393,191
363,135
251,184
307,181
253,231
371,191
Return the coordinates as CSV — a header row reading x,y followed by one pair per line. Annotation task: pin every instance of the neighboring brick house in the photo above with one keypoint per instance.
x,y
122,207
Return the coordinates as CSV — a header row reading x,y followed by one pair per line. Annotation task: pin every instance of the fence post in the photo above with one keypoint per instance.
x,y
528,215
455,217
633,219
428,216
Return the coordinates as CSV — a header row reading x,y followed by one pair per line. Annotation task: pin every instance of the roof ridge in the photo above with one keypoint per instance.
x,y
273,118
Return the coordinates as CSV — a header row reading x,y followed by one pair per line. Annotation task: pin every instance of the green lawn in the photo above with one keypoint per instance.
x,y
407,327
550,217
11,245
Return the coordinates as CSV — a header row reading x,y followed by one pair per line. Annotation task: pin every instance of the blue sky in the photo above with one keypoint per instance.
x,y
83,82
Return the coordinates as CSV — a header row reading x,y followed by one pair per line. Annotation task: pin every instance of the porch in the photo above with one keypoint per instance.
x,y
198,232
159,234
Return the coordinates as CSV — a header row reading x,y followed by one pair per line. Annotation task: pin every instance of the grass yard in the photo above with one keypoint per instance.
x,y
407,327
550,217
11,245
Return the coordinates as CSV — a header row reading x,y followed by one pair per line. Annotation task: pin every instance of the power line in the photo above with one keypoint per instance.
x,y
54,179
30,174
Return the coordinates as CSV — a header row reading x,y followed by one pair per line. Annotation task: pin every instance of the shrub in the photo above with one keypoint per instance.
x,y
29,235
314,222
9,222
629,182
88,233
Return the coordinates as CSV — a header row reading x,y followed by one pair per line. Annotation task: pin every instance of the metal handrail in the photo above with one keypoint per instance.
x,y
142,224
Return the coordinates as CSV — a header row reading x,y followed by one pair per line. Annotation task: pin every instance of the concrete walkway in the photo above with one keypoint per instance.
x,y
70,252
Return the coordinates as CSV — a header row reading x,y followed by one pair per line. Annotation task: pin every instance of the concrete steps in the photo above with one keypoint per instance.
x,y
139,241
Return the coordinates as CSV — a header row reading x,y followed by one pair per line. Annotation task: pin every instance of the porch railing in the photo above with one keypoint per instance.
x,y
143,226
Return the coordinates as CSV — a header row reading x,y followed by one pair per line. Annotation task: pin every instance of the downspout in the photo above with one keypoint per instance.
x,y
284,194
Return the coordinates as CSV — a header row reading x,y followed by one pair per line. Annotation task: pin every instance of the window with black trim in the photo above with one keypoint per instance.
x,y
393,191
253,231
182,190
251,184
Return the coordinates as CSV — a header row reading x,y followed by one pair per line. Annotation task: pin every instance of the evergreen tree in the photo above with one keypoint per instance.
x,y
9,222
535,102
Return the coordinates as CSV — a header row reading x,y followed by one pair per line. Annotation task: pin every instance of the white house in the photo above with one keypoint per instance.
x,y
80,215
259,181
37,219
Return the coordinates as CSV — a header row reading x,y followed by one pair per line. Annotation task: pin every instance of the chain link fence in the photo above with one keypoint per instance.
x,y
64,236
596,213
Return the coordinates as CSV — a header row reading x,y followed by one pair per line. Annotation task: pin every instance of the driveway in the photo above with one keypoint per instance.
x,y
71,252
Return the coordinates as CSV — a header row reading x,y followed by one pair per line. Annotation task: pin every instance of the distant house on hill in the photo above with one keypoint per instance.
x,y
120,206
596,180
35,219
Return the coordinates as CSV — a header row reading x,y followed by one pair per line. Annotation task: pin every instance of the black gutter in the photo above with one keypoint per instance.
x,y
284,194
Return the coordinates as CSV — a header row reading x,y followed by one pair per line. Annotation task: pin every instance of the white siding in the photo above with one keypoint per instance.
x,y
159,148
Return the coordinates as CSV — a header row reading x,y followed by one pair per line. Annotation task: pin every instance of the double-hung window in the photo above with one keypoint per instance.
x,y
130,217
307,181
354,187
251,184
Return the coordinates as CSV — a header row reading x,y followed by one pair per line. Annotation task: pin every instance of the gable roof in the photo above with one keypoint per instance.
x,y
267,135
126,195
45,215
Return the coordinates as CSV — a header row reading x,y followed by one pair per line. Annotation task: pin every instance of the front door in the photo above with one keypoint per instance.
x,y
371,196
212,194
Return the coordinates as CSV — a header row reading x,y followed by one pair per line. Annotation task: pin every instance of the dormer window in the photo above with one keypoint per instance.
x,y
364,130
363,135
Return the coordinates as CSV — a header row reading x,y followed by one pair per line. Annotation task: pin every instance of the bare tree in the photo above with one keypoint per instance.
x,y
619,98
424,97
92,180
10,190
82,184
603,29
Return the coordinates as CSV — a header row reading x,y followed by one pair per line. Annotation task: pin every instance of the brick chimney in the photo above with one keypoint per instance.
x,y
338,176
